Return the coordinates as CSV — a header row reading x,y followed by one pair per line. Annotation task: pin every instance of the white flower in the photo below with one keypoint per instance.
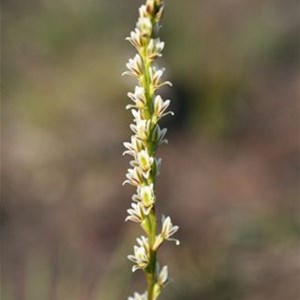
x,y
134,177
144,24
136,213
160,107
137,115
133,147
154,48
136,198
135,66
137,296
156,75
143,11
168,229
162,278
143,242
146,194
144,160
141,129
138,97
135,38
141,254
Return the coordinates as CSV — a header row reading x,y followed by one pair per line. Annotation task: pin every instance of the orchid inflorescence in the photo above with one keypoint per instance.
x,y
147,108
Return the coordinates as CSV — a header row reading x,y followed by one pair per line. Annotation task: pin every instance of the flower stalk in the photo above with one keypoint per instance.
x,y
147,108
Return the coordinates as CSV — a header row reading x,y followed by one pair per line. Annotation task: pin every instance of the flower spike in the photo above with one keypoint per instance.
x,y
147,108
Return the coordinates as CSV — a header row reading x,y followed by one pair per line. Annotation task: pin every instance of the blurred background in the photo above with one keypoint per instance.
x,y
230,173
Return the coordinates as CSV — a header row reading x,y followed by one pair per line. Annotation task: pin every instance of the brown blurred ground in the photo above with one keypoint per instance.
x,y
230,174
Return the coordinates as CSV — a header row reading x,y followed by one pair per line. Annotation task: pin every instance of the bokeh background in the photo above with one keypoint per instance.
x,y
230,173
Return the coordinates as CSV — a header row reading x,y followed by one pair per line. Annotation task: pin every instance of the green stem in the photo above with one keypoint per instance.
x,y
151,269
151,148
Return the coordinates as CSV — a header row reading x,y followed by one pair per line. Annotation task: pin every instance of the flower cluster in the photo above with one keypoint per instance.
x,y
147,108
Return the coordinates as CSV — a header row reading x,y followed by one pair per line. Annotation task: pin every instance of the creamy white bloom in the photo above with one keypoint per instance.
x,y
145,26
136,213
144,160
168,229
137,296
160,107
141,254
140,258
134,177
135,38
143,11
136,198
134,66
143,242
162,278
155,48
137,115
141,129
138,97
156,77
134,147
146,194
